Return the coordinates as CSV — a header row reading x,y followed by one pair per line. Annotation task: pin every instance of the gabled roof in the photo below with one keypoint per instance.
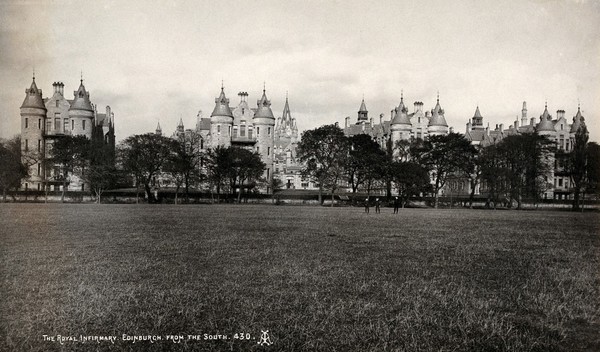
x,y
203,124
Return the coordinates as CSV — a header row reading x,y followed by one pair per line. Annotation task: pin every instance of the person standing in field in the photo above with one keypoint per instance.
x,y
377,204
367,205
396,205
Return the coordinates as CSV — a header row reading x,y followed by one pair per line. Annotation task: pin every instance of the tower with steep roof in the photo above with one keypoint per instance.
x,y
158,130
33,116
477,120
221,122
363,113
400,125
264,125
81,113
437,123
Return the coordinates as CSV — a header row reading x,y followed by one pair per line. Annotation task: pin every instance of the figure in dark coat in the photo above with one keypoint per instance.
x,y
396,205
377,204
367,205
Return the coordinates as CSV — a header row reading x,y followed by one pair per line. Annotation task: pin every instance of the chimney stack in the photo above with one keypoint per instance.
x,y
347,121
532,121
381,119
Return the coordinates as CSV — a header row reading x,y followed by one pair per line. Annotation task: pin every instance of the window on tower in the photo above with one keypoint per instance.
x,y
40,124
57,103
218,128
26,145
26,122
83,125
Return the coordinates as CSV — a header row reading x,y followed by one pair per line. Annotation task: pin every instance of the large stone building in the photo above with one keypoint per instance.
x,y
402,124
557,130
44,120
241,126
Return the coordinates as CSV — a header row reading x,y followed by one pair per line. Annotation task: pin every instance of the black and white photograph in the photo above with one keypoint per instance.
x,y
316,175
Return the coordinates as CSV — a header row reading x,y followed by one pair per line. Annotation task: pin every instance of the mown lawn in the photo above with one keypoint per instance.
x,y
319,279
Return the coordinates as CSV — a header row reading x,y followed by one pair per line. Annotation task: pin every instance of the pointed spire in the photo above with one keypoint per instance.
x,y
158,129
81,80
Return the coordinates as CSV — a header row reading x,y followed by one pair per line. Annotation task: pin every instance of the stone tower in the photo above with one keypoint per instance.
x,y
477,120
524,114
221,122
33,116
363,113
400,126
264,125
81,113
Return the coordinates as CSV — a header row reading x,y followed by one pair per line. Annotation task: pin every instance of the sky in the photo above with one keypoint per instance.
x,y
164,60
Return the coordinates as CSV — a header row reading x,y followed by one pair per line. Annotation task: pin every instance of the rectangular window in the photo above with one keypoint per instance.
x,y
269,131
65,125
26,145
257,131
39,145
39,124
83,125
72,125
242,131
57,124
560,182
57,103
268,173
268,151
26,122
218,128
229,131
39,169
39,186
48,125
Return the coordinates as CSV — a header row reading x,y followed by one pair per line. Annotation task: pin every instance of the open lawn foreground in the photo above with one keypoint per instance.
x,y
317,278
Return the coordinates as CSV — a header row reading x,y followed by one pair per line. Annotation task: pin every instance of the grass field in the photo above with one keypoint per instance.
x,y
319,279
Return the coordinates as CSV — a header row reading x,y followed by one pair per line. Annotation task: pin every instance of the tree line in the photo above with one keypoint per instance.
x,y
514,169
509,171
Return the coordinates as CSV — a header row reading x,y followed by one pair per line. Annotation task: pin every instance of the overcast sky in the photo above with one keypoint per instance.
x,y
164,60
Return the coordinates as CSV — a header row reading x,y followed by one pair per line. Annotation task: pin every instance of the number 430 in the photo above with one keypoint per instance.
x,y
242,336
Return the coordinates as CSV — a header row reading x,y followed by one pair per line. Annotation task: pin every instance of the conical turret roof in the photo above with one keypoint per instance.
x,y
264,107
401,117
222,106
477,113
33,97
578,121
82,99
437,116
545,121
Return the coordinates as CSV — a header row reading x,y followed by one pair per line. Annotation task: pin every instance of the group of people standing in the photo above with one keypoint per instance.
x,y
378,205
